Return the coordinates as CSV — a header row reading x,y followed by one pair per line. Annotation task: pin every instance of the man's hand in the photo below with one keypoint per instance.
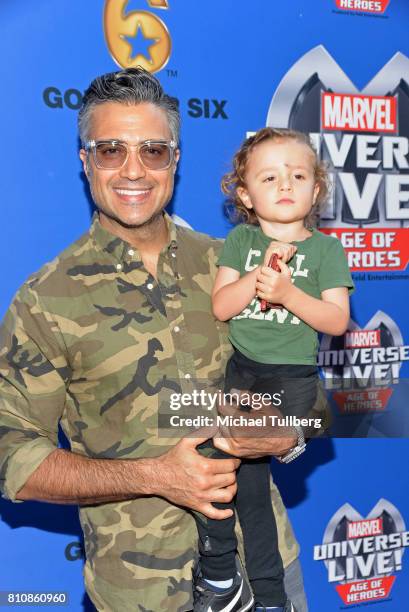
x,y
193,481
253,442
283,250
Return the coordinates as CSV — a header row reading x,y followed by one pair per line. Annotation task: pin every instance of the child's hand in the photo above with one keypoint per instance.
x,y
283,250
274,286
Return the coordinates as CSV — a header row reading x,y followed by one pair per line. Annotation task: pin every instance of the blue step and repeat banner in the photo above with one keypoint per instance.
x,y
337,69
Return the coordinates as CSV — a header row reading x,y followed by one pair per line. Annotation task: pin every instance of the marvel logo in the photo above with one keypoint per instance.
x,y
367,527
362,338
355,112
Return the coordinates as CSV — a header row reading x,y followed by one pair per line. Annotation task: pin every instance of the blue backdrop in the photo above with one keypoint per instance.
x,y
235,67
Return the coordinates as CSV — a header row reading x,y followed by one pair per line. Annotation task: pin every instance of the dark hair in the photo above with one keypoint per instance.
x,y
234,180
130,86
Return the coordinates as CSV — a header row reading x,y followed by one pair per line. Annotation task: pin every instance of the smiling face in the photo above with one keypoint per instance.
x,y
131,196
280,182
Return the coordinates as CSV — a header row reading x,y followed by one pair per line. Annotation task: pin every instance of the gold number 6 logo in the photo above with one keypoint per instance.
x,y
118,26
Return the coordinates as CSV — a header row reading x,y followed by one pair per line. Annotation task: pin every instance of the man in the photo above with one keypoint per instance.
x,y
92,340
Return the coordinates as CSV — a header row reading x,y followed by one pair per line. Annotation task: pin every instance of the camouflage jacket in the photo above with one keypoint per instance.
x,y
88,342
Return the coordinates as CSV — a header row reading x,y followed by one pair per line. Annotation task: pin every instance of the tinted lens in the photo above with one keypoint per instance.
x,y
156,156
108,155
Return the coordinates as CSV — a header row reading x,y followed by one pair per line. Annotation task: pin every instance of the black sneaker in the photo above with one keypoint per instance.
x,y
237,598
287,608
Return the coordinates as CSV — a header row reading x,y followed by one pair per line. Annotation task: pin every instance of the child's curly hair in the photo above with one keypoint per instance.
x,y
234,180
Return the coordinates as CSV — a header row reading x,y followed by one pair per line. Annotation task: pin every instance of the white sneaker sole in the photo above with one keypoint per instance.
x,y
248,606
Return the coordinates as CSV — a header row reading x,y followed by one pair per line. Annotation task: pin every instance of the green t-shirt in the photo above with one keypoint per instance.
x,y
277,335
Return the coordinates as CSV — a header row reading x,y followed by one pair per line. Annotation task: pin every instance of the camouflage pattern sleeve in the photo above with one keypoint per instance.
x,y
32,390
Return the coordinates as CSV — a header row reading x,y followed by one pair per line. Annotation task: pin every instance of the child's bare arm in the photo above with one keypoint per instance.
x,y
329,315
231,294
